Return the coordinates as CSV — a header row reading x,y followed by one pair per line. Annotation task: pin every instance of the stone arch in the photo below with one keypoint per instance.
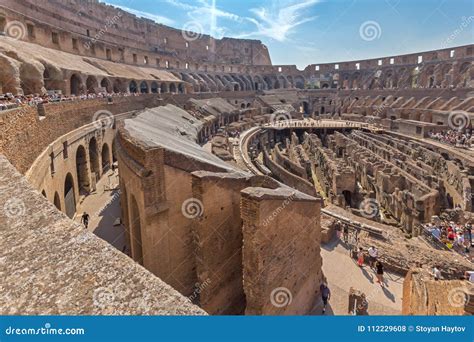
x,y
268,81
83,182
464,74
132,87
136,231
427,78
154,87
181,88
276,83
164,88
404,78
105,83
143,87
94,159
91,84
76,85
172,88
446,75
105,154
119,86
9,83
69,196
389,79
57,201
283,82
52,78
355,80
345,81
299,82
31,79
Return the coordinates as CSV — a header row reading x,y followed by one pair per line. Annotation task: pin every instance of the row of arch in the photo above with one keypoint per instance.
x,y
91,85
430,75
90,164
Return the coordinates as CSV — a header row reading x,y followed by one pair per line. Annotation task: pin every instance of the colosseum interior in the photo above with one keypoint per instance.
x,y
217,183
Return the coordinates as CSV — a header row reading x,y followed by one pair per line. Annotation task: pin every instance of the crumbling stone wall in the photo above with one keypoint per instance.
x,y
422,295
281,253
72,272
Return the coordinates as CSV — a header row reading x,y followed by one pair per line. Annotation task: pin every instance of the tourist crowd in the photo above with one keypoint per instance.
x,y
9,101
452,137
452,235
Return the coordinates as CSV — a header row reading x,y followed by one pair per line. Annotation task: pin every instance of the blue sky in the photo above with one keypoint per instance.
x,y
306,32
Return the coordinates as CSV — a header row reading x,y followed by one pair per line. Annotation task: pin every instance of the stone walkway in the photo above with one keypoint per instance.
x,y
342,273
103,207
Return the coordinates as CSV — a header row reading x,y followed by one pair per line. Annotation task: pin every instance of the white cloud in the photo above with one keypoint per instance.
x,y
158,18
207,14
278,22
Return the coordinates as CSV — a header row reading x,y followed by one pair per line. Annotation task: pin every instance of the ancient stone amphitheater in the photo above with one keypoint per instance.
x,y
232,171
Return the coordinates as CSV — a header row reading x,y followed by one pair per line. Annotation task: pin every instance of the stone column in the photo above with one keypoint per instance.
x,y
281,251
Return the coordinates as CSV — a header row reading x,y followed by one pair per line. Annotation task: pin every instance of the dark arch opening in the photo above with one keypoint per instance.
x,y
154,87
181,88
94,160
164,88
75,85
133,87
69,196
118,86
81,169
173,88
105,84
143,87
347,197
105,158
91,84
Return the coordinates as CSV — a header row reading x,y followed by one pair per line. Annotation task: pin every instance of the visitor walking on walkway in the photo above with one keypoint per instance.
x,y
436,273
373,255
85,219
345,233
338,229
379,272
325,295
360,257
